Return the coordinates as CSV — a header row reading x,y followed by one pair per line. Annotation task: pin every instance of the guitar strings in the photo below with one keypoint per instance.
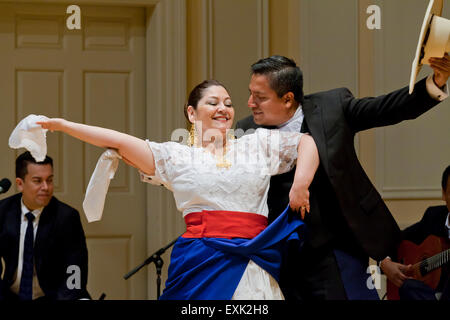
x,y
435,261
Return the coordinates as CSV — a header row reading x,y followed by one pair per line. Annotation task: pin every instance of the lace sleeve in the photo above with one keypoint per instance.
x,y
280,148
164,162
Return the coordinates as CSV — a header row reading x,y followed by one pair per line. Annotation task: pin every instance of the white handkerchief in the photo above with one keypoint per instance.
x,y
30,136
94,200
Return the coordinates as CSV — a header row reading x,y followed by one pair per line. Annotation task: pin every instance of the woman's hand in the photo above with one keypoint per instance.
x,y
53,124
299,199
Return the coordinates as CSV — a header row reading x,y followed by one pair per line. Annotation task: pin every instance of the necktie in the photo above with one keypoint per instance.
x,y
26,282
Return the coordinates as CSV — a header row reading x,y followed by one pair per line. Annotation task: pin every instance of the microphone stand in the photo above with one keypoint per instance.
x,y
155,258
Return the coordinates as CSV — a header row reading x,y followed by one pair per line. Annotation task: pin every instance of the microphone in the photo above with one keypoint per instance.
x,y
5,184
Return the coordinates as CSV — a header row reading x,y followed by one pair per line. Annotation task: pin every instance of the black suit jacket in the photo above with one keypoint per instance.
x,y
432,223
346,209
60,242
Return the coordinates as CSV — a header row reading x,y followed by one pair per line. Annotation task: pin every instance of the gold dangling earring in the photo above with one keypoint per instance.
x,y
192,139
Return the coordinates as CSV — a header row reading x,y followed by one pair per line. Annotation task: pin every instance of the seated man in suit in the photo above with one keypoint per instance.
x,y
42,242
436,222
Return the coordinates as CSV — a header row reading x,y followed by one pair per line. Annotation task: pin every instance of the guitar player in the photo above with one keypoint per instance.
x,y
435,222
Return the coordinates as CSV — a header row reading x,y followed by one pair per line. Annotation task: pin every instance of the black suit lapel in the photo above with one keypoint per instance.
x,y
44,233
14,222
304,127
443,231
11,236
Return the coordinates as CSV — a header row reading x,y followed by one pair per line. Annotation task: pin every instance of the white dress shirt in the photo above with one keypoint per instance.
x,y
434,91
37,291
294,124
447,224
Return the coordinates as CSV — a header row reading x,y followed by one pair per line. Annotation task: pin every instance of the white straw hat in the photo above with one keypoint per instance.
x,y
433,40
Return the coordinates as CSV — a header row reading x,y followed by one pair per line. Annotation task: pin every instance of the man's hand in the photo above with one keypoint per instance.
x,y
397,273
441,68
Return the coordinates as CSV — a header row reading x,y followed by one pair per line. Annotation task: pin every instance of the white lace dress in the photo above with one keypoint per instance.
x,y
198,184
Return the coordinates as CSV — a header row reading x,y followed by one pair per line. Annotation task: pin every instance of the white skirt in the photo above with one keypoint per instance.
x,y
257,284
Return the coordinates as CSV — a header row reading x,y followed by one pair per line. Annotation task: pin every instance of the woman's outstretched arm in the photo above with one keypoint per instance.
x,y
133,150
307,164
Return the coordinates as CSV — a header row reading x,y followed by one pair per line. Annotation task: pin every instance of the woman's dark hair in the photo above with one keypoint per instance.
x,y
445,178
24,159
283,74
197,93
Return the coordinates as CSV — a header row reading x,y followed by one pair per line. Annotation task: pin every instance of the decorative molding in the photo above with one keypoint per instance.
x,y
21,21
391,192
111,246
207,49
89,75
122,44
398,192
379,87
263,27
166,92
304,41
20,114
129,3
165,84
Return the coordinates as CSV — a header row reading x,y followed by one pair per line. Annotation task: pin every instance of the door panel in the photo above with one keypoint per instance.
x,y
96,76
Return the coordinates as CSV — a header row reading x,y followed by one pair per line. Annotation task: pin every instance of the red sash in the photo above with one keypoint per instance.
x,y
224,224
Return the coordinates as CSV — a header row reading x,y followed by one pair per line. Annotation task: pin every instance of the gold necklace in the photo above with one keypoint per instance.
x,y
222,161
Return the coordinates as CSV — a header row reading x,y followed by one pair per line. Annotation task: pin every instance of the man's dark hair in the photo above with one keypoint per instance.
x,y
24,159
445,178
283,74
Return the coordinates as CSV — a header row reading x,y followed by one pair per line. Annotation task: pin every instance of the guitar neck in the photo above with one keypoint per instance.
x,y
434,262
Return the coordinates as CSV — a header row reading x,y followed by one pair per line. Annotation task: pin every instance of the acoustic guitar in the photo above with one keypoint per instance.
x,y
426,260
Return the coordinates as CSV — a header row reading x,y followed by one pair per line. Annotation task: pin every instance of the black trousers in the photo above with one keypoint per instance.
x,y
413,289
8,295
312,274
